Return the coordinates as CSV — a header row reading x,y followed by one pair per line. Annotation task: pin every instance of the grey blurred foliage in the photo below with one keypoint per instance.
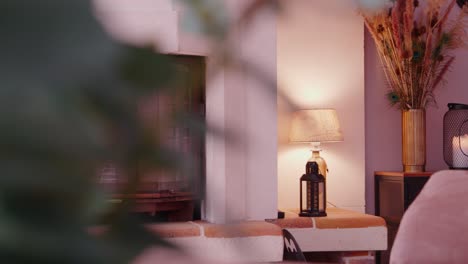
x,y
373,5
68,103
207,17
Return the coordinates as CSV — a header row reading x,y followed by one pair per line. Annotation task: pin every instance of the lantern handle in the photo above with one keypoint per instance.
x,y
460,136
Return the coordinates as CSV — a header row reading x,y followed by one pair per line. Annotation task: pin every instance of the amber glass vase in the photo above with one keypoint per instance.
x,y
413,127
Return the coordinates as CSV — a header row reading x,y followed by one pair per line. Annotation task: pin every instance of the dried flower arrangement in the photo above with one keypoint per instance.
x,y
414,40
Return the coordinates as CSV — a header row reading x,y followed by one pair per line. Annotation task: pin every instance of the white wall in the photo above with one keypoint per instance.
x,y
249,180
258,44
321,65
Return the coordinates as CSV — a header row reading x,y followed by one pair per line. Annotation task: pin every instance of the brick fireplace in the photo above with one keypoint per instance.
x,y
241,180
169,194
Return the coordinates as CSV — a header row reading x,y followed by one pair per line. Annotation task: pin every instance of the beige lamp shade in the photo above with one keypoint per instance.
x,y
315,125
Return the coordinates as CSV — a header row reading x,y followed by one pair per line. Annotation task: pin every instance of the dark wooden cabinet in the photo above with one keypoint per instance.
x,y
394,193
173,194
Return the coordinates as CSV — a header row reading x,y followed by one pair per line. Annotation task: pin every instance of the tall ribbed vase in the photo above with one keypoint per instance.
x,y
413,127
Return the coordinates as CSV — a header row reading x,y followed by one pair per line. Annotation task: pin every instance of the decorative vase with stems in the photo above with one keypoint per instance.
x,y
415,40
413,127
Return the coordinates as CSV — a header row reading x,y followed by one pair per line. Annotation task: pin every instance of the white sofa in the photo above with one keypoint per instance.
x,y
434,229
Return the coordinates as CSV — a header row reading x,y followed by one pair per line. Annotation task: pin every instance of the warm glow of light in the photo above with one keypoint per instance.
x,y
317,70
307,92
308,86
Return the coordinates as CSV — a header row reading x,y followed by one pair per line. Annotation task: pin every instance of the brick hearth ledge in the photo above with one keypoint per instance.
x,y
261,241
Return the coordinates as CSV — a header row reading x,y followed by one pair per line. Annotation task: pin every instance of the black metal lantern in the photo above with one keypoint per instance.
x,y
313,198
456,136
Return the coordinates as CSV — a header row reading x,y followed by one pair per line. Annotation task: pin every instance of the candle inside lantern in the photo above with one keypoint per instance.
x,y
459,159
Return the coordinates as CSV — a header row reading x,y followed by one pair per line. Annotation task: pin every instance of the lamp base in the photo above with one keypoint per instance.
x,y
312,214
323,169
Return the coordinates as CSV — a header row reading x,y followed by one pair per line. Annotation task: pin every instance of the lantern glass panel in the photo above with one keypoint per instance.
x,y
314,205
321,197
305,198
456,136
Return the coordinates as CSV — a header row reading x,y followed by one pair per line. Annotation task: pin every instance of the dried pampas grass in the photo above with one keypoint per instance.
x,y
415,40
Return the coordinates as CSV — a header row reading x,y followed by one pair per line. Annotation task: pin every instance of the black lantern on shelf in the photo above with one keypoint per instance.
x,y
313,198
456,136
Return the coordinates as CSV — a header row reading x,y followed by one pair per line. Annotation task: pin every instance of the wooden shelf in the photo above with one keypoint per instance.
x,y
403,174
178,205
157,195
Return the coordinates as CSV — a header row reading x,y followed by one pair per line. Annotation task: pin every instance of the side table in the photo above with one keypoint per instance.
x,y
394,193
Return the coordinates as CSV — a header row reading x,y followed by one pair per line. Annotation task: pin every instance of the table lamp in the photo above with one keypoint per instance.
x,y
315,126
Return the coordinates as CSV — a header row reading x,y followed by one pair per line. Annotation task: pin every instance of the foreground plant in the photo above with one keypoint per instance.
x,y
69,101
415,40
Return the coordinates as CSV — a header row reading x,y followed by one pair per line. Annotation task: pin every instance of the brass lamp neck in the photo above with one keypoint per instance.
x,y
317,158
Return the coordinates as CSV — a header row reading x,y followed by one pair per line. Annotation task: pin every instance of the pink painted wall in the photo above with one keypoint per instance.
x,y
383,128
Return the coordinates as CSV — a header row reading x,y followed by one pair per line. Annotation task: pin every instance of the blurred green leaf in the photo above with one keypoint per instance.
x,y
146,70
68,103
